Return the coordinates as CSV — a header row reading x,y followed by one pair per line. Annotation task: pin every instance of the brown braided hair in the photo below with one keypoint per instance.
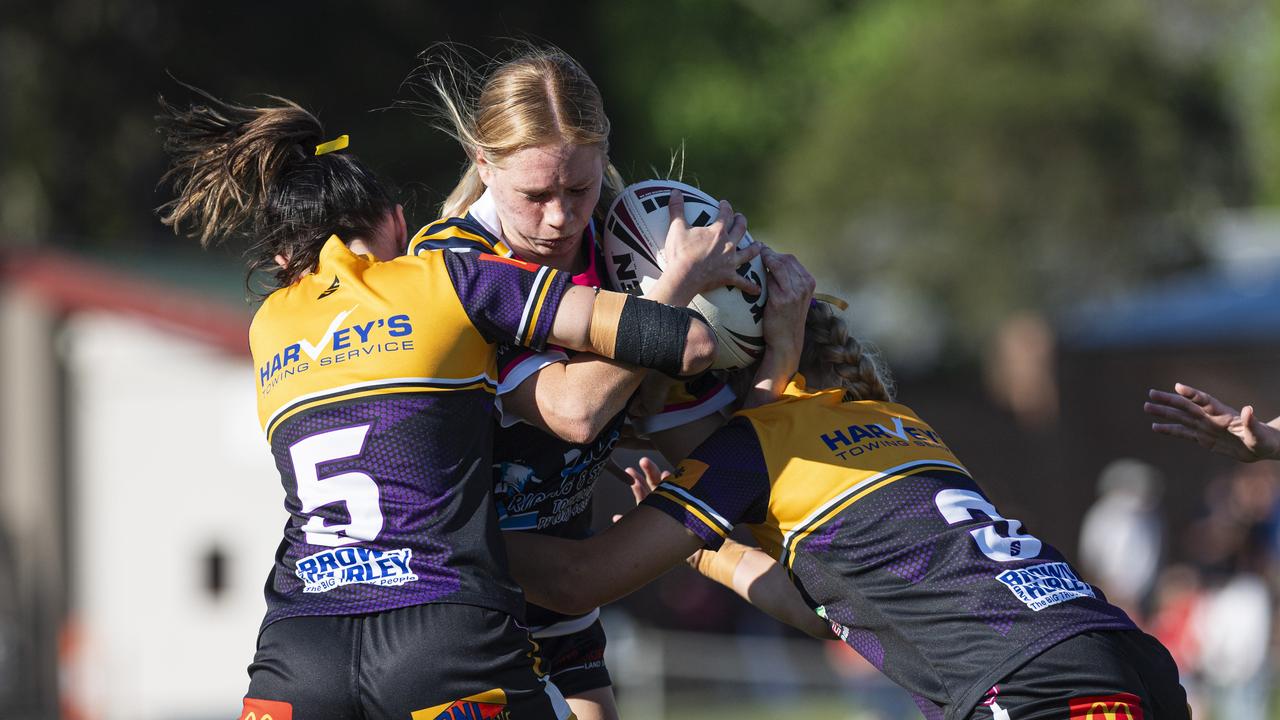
x,y
254,172
833,358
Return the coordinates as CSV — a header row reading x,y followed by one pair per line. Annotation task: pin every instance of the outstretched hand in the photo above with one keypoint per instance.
x,y
1197,416
708,257
643,480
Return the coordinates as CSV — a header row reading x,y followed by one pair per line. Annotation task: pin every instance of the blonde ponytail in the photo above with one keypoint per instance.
x,y
834,358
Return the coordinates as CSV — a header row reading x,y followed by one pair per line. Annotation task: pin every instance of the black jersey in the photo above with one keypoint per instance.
x,y
542,483
887,537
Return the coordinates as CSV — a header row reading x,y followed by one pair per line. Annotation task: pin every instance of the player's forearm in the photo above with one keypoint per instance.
x,y
672,340
574,576
756,578
764,583
775,371
578,398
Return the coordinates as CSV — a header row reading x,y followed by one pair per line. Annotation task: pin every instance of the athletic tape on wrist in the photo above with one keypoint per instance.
x,y
640,332
604,321
719,565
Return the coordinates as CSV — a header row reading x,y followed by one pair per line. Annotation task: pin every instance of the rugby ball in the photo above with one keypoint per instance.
x,y
635,232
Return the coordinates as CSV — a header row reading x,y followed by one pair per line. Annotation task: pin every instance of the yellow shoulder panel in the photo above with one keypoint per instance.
x,y
356,326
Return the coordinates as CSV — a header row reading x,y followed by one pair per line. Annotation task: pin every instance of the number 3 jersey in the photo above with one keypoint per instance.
x,y
375,389
888,538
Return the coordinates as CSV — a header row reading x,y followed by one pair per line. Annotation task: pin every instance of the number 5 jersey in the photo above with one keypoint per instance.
x,y
376,390
888,538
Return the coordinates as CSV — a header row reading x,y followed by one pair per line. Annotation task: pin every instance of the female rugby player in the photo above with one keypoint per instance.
x,y
537,183
390,595
884,534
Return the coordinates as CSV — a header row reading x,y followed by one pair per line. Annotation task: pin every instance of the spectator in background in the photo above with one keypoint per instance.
x,y
1233,622
1122,533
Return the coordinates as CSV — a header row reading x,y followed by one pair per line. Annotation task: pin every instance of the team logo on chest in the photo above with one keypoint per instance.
x,y
527,502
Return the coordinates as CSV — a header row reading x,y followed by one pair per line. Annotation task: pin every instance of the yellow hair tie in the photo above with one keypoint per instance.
x,y
337,143
831,300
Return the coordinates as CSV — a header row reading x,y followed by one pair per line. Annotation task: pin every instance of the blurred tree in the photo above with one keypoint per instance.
x,y
975,159
1005,155
80,78
969,159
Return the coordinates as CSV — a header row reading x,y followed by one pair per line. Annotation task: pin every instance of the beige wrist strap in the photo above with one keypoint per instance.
x,y
720,565
605,314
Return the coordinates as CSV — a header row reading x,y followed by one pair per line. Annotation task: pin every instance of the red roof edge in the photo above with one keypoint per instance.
x,y
69,284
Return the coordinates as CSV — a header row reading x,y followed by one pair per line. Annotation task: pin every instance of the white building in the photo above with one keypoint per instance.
x,y
139,505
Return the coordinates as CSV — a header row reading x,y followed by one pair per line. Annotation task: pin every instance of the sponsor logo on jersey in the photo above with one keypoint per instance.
x,y
255,709
334,568
837,629
466,710
854,440
490,705
339,343
331,290
1121,706
526,502
1045,585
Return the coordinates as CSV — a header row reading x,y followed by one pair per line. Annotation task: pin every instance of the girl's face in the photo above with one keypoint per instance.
x,y
545,196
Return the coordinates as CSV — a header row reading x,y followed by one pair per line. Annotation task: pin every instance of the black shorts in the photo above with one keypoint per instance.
x,y
1101,675
418,662
575,662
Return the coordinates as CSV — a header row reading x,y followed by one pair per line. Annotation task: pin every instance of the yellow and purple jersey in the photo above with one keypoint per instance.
x,y
541,483
376,391
887,537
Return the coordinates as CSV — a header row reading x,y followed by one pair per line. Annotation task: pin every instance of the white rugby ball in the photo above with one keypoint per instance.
x,y
635,233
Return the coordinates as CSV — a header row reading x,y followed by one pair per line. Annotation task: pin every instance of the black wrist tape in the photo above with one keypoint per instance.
x,y
653,335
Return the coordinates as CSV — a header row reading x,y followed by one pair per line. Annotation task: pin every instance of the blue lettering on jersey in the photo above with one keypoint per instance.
x,y
1044,585
329,569
344,344
855,440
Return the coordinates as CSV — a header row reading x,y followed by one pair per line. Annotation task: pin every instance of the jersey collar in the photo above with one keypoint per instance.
x,y
336,252
796,389
485,211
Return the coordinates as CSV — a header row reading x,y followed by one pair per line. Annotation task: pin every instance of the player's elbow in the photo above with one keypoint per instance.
x,y
578,428
573,419
699,348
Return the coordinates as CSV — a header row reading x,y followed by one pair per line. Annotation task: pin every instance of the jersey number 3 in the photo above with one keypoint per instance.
x,y
1000,540
356,490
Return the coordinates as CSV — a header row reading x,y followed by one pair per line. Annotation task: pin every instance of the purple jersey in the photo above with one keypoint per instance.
x,y
376,388
889,539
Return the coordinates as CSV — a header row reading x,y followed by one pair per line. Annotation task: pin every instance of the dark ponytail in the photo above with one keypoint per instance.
x,y
254,172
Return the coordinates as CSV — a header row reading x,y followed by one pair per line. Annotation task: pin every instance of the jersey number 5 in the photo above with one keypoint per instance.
x,y
356,490
1000,540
